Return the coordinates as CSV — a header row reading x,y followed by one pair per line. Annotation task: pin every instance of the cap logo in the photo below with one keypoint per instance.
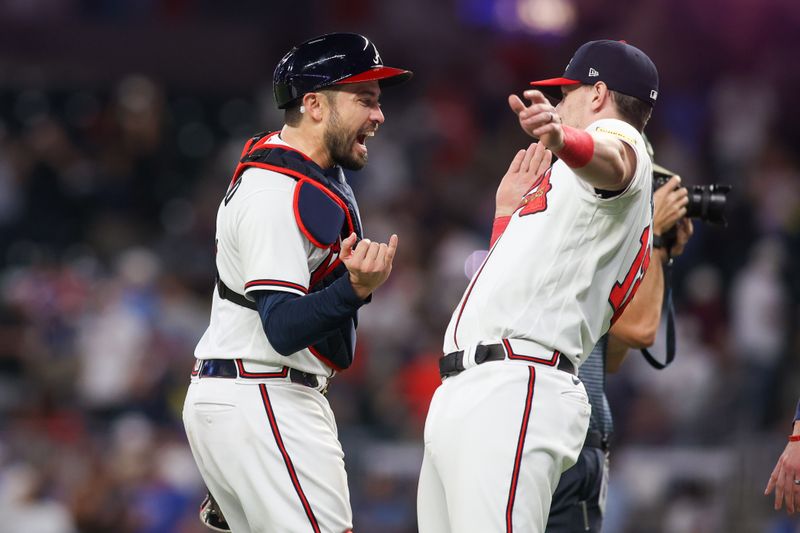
x,y
654,94
377,58
593,73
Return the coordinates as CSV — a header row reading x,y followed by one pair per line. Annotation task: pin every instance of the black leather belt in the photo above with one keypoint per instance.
x,y
596,439
453,363
226,368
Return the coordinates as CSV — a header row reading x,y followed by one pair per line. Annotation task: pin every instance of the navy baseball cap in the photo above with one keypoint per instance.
x,y
624,69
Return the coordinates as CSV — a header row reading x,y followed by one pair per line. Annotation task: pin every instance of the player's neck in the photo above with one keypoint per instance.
x,y
604,112
308,142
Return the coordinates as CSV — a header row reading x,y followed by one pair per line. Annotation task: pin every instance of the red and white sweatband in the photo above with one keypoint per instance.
x,y
578,147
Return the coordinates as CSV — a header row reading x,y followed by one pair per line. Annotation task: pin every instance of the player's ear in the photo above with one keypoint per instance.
x,y
315,106
600,96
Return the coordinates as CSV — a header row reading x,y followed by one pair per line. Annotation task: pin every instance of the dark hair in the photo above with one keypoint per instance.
x,y
292,115
632,110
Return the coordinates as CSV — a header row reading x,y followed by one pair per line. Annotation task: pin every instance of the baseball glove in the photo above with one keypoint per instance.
x,y
211,515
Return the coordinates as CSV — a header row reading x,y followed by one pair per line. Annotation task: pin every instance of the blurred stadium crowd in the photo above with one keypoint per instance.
x,y
109,187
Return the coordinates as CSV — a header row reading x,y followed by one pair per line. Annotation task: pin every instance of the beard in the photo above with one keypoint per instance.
x,y
340,143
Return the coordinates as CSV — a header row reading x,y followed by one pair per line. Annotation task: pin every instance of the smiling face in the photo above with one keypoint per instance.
x,y
354,115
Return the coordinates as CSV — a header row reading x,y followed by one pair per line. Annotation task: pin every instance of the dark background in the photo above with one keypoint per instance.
x,y
120,125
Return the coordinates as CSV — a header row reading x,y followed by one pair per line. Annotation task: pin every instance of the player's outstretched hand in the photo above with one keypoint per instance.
x,y
782,479
526,166
369,263
540,119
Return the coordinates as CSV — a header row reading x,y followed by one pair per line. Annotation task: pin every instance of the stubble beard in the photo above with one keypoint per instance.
x,y
340,144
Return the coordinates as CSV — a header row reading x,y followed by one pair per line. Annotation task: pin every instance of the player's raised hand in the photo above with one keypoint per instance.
x,y
539,119
369,263
525,168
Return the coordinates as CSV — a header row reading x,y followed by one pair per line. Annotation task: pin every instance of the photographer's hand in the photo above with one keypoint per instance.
x,y
684,233
669,206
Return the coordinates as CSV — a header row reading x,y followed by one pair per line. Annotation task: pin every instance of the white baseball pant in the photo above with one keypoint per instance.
x,y
269,453
497,438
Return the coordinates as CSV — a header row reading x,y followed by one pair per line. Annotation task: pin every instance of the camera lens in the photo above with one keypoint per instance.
x,y
707,202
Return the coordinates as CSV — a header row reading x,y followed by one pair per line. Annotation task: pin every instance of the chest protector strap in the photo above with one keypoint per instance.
x,y
324,204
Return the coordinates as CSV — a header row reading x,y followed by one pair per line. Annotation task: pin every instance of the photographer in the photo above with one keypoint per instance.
x,y
579,500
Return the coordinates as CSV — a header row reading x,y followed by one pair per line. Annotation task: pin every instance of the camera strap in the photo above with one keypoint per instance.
x,y
655,363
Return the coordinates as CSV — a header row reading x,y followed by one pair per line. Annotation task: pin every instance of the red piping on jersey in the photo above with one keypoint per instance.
x,y
316,353
302,180
469,291
519,357
255,375
512,491
286,459
275,283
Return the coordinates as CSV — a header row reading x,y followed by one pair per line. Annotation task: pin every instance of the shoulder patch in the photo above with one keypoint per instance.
x,y
319,216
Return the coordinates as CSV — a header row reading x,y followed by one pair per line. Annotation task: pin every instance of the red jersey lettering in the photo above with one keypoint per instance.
x,y
536,201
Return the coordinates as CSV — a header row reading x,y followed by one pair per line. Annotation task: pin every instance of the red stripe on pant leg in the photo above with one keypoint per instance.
x,y
286,459
512,491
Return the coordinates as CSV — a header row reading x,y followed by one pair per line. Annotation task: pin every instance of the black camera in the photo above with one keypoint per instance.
x,y
706,202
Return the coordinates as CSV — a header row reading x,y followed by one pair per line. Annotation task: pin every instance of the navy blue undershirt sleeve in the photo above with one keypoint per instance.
x,y
294,322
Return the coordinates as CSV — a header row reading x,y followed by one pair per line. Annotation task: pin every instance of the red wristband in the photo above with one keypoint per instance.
x,y
578,147
498,227
794,438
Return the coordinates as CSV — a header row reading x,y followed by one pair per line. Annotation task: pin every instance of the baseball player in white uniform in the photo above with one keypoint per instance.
x,y
566,258
290,281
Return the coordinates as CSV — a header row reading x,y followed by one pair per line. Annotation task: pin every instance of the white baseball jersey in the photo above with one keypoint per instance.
x,y
568,262
266,447
260,247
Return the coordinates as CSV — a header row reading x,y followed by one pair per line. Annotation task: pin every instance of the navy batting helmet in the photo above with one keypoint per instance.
x,y
331,59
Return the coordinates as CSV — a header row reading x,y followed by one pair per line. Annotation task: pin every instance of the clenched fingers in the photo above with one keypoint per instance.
x,y
371,256
347,245
359,252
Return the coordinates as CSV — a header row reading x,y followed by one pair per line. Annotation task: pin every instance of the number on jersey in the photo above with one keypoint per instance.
x,y
622,292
